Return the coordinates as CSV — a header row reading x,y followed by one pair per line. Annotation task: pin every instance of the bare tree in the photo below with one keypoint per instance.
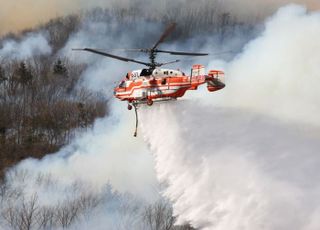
x,y
9,215
46,218
159,216
21,216
28,212
67,213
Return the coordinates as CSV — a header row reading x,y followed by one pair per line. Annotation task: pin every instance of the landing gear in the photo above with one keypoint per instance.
x,y
129,107
149,102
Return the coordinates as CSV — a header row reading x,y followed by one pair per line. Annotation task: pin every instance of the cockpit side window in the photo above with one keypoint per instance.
x,y
146,72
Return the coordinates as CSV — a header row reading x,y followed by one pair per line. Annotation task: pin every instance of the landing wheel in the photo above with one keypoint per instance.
x,y
149,102
129,107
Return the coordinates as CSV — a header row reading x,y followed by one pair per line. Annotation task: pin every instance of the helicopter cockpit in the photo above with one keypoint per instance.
x,y
122,84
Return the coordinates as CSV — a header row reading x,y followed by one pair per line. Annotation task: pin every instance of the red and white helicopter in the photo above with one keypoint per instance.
x,y
154,84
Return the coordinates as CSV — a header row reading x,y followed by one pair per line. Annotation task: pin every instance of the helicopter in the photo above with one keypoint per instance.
x,y
156,84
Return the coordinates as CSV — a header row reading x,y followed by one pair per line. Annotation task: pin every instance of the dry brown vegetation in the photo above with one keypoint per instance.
x,y
40,107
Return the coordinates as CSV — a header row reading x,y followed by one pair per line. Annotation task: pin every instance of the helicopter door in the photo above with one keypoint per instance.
x,y
144,94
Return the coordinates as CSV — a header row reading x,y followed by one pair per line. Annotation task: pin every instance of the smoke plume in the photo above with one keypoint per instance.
x,y
247,157
32,45
104,178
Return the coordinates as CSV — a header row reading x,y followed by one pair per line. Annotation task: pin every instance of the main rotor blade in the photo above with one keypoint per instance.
x,y
124,49
181,53
113,56
167,63
222,52
165,34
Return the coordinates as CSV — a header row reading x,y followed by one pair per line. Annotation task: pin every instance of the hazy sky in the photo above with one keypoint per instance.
x,y
19,14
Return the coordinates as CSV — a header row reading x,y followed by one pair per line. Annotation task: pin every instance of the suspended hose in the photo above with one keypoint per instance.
x,y
136,112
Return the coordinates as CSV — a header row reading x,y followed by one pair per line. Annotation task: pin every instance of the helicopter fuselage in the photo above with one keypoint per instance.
x,y
147,86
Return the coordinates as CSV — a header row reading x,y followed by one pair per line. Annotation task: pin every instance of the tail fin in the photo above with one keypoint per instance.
x,y
198,70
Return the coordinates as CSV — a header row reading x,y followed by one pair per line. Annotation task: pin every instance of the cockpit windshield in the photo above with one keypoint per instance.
x,y
122,84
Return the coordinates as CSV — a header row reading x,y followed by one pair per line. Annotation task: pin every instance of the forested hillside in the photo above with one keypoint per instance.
x,y
45,102
41,108
41,105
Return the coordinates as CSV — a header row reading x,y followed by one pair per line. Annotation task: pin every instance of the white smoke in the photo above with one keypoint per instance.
x,y
240,158
281,68
105,177
247,157
105,154
33,44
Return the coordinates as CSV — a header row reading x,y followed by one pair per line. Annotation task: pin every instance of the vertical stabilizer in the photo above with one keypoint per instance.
x,y
198,70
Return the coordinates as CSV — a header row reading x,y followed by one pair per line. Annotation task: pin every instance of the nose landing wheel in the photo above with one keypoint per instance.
x,y
149,102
